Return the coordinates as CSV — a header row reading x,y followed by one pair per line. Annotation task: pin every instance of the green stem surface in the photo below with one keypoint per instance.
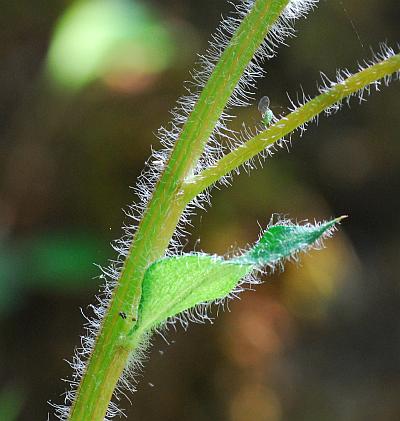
x,y
113,347
288,124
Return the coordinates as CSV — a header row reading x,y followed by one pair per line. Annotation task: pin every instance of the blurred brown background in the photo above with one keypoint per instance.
x,y
83,87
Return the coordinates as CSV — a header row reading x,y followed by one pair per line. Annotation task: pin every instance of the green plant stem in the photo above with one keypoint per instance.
x,y
288,124
112,347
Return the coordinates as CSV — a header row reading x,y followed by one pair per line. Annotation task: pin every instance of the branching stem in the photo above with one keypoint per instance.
x,y
288,124
165,208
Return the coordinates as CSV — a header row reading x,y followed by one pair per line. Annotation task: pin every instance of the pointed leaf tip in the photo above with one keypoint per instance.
x,y
285,239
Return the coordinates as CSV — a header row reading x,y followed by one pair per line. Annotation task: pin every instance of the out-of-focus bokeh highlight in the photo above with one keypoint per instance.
x,y
113,40
83,86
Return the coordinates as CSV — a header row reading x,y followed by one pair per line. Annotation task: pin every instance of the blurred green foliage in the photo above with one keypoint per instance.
x,y
11,401
57,262
94,38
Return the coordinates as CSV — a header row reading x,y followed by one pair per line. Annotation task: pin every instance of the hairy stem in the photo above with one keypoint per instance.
x,y
288,124
112,348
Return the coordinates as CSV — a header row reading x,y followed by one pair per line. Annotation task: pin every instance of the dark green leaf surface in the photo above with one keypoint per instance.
x,y
283,240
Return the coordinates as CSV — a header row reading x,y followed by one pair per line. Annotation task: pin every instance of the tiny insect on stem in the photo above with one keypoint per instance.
x,y
266,113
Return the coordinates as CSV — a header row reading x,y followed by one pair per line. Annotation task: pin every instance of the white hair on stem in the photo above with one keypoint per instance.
x,y
241,97
247,133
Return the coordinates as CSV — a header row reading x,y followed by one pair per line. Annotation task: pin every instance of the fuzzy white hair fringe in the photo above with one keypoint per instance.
x,y
241,96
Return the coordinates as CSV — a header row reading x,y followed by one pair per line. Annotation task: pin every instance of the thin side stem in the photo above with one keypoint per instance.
x,y
288,124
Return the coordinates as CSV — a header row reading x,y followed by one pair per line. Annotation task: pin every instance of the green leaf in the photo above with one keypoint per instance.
x,y
175,284
285,239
